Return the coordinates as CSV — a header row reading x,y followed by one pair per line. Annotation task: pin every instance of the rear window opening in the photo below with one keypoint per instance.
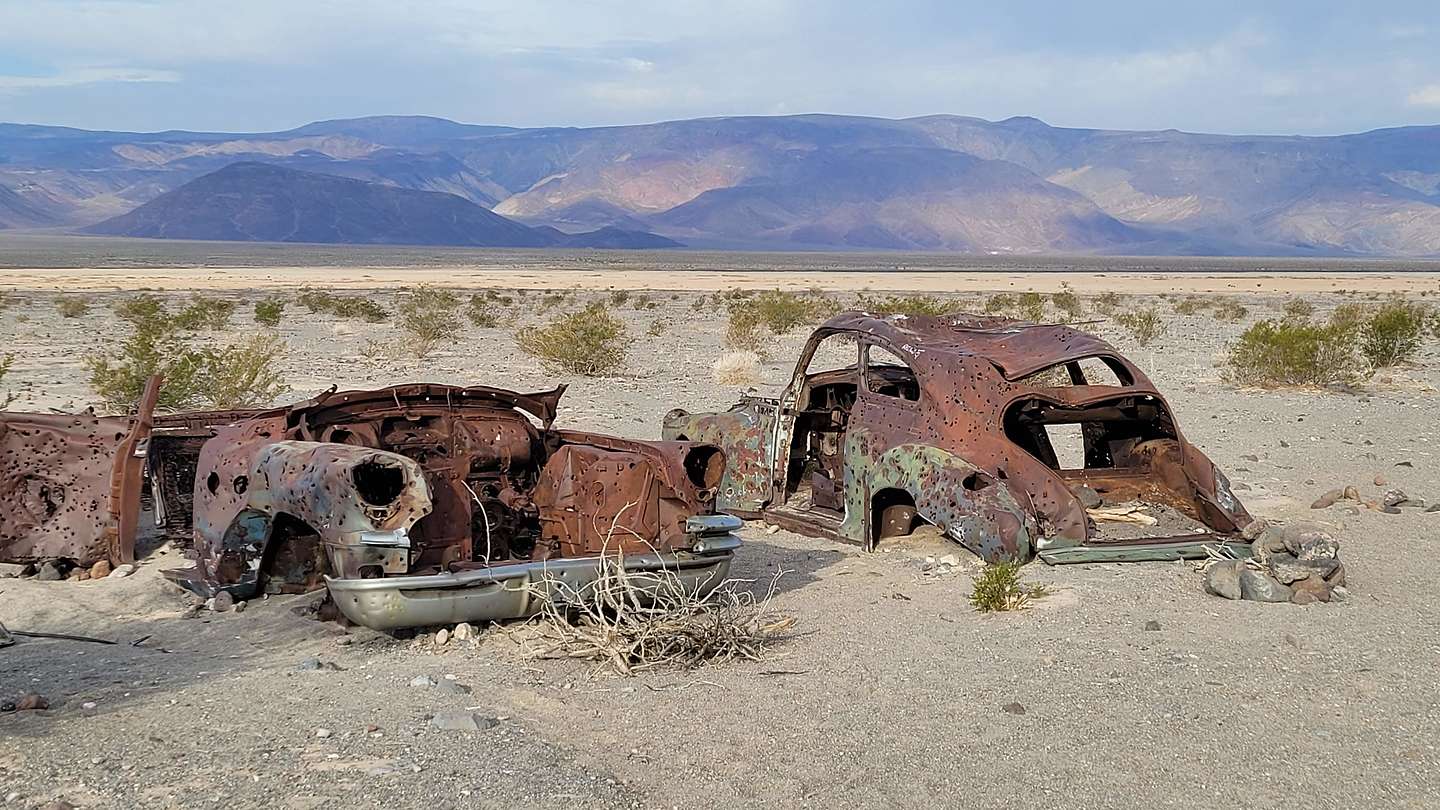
x,y
1102,435
1082,371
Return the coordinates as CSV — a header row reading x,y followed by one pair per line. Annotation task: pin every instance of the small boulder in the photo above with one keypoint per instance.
x,y
10,570
1259,587
463,632
31,702
121,571
452,688
1013,708
1314,588
442,637
1089,498
1223,579
461,721
221,602
1352,493
1287,569
1393,497
50,571
100,570
1254,529
422,680
1328,499
1152,625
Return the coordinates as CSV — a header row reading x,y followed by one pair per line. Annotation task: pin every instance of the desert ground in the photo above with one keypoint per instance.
x,y
890,692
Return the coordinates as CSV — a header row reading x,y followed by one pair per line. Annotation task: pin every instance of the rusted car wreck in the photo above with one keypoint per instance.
x,y
957,421
419,504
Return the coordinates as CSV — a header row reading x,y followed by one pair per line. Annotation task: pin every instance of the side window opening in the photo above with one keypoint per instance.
x,y
887,375
1100,435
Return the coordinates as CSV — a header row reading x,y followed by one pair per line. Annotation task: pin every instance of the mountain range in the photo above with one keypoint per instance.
x,y
947,183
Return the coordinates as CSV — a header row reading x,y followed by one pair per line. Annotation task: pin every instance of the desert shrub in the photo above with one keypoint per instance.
x,y
1191,305
269,311
590,342
1350,316
6,361
1393,333
550,300
1068,302
905,305
483,309
1231,311
1278,353
1297,309
428,315
6,300
699,303
1000,303
772,311
619,297
1144,324
204,313
140,310
657,327
1108,303
1030,306
241,375
998,588
350,307
643,302
740,369
72,306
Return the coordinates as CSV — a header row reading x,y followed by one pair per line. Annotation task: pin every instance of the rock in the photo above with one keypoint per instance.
x,y
1404,464
1379,480
1250,457
1287,569
422,680
1223,579
100,569
1258,587
1339,593
461,721
1434,507
1302,597
1271,541
240,607
950,560
50,571
221,602
1308,541
1013,708
89,705
452,688
1314,588
1352,493
30,702
1394,497
442,636
1328,499
121,571
464,632
1152,625
323,733
314,664
1089,498
1254,529
1336,577
12,570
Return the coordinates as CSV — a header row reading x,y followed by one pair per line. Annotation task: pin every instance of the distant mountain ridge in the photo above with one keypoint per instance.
x,y
809,181
259,202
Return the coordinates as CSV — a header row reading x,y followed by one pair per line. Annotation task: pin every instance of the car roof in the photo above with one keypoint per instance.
x,y
1017,348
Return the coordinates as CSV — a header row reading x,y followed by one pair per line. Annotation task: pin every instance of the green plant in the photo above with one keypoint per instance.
x,y
141,309
1393,333
6,361
269,311
1144,324
352,307
999,303
1231,311
1191,305
1068,302
241,375
1278,353
204,313
1108,303
619,297
657,327
1030,306
72,306
905,305
998,588
428,315
590,342
1298,309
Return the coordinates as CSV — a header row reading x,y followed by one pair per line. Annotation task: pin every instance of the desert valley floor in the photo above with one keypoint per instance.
x,y
891,691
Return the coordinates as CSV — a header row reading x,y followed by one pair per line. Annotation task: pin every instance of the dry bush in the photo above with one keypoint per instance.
x,y
643,302
1108,303
1144,324
998,588
1030,306
632,622
590,342
484,309
657,327
619,297
740,369
269,311
1192,305
351,307
242,375
1297,309
1393,332
1280,353
428,315
1068,302
1000,303
1229,310
6,361
772,311
905,305
72,306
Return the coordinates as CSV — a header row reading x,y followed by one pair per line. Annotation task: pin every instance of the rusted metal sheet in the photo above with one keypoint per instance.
x,y
70,484
957,437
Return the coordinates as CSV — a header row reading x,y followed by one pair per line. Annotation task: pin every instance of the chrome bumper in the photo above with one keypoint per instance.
x,y
519,590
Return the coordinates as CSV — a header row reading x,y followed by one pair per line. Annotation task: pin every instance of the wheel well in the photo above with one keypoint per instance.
x,y
901,518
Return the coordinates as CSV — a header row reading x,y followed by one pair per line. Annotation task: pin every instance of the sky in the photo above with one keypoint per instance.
x,y
1298,66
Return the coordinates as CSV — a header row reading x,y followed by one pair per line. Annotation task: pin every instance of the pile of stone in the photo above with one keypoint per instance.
x,y
1297,562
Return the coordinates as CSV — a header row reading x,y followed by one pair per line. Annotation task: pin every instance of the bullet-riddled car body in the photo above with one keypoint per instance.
x,y
961,421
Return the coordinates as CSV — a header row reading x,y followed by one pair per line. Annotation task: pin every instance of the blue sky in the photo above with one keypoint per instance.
x,y
251,65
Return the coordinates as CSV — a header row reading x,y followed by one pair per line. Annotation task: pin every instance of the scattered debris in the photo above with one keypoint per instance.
x,y
1014,708
1297,562
1131,513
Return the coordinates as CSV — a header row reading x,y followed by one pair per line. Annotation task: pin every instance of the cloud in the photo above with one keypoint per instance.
x,y
82,76
1427,96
